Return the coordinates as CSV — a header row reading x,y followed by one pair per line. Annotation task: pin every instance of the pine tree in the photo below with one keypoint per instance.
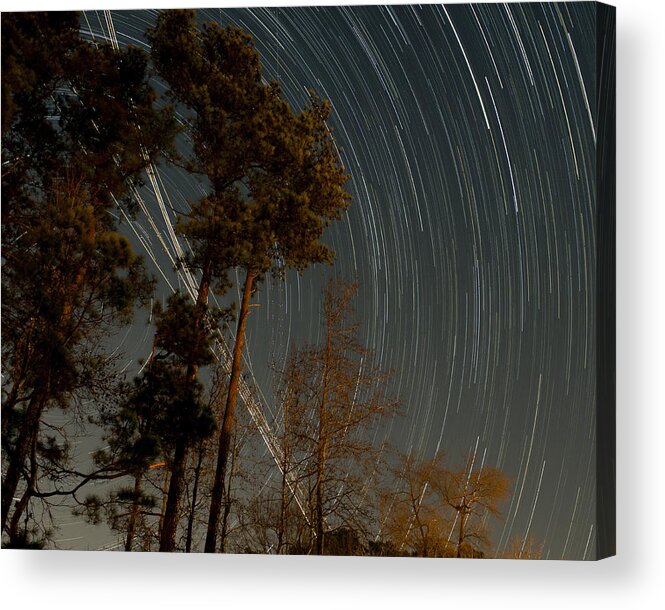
x,y
275,180
79,125
188,420
161,414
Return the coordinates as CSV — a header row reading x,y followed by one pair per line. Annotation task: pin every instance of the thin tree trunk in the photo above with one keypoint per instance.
x,y
227,497
165,495
199,318
176,486
22,504
229,417
282,516
131,527
415,504
460,538
192,512
283,490
319,499
9,404
17,457
16,517
321,445
170,525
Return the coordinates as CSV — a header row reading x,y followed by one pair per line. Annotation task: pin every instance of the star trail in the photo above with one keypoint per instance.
x,y
469,134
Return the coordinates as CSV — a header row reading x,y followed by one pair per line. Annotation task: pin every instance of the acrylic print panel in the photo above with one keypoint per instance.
x,y
310,280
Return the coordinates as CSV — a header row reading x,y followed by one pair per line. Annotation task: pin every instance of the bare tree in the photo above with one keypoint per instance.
x,y
413,521
334,397
474,495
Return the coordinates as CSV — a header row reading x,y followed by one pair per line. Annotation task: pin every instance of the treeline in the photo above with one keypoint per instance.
x,y
183,469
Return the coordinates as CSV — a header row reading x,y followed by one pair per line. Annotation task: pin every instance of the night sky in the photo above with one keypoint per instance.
x,y
468,132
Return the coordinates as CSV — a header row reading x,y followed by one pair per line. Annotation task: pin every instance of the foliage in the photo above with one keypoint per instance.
x,y
275,181
79,125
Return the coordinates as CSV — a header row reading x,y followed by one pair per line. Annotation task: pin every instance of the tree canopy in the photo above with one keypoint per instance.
x,y
275,179
81,124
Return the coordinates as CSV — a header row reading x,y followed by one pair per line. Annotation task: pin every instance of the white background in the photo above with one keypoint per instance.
x,y
634,578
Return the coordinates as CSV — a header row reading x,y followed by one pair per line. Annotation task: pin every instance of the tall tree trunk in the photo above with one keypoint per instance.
x,y
22,504
165,495
176,485
229,417
283,491
18,456
228,496
319,497
192,512
460,538
321,444
8,405
170,524
282,516
133,516
415,506
199,313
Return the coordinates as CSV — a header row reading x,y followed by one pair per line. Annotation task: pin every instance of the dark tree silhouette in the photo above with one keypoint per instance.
x,y
162,414
79,125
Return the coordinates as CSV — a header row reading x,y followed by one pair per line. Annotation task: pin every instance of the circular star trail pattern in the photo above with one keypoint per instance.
x,y
468,133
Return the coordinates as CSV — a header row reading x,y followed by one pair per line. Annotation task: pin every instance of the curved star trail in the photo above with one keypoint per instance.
x,y
469,136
